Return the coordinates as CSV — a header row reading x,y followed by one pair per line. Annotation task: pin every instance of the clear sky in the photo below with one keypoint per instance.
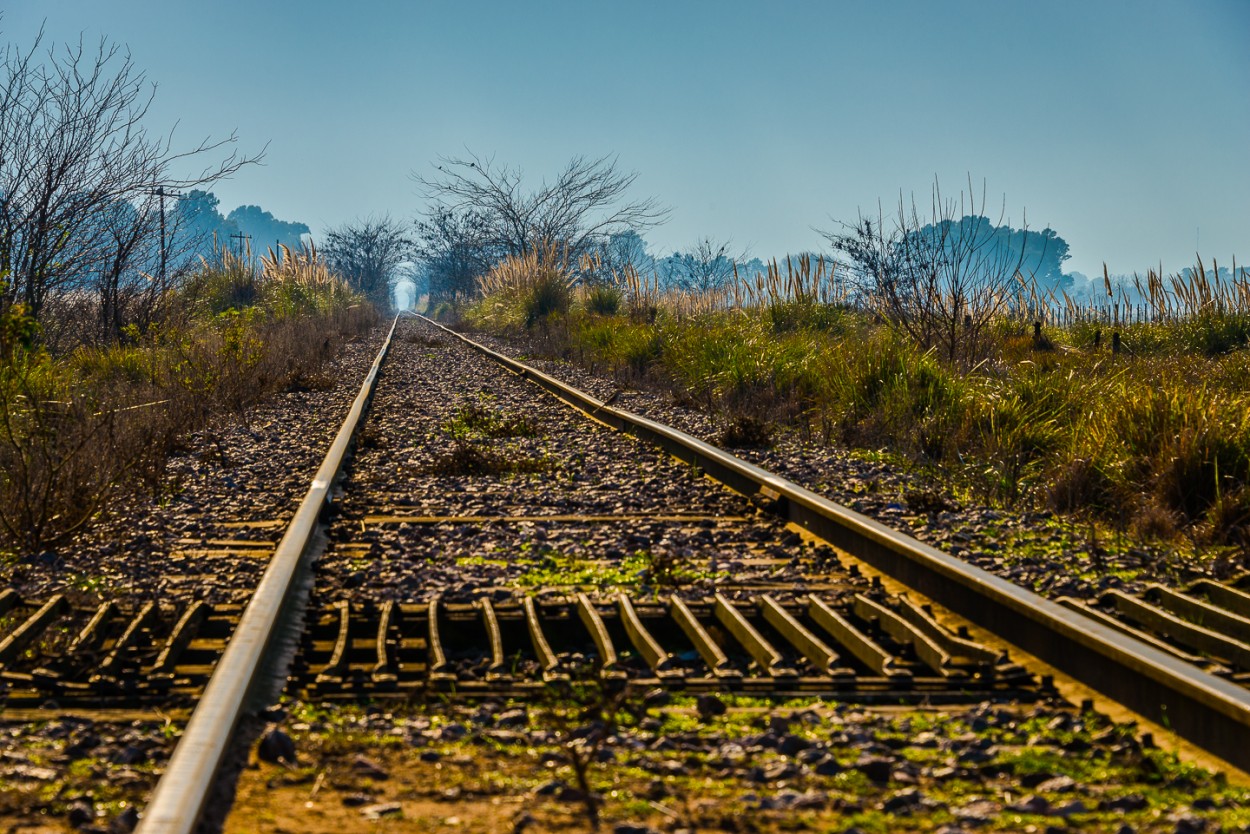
x,y
1122,124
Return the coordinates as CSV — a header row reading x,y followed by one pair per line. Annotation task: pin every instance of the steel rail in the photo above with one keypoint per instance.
x,y
1207,711
181,795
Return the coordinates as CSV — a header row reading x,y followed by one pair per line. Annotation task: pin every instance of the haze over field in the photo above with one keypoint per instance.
x,y
1121,125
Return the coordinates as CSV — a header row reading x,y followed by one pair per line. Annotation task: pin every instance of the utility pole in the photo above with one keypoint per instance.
x,y
160,192
240,237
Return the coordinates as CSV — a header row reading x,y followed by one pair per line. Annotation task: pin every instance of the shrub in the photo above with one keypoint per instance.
x,y
548,295
80,430
523,291
603,300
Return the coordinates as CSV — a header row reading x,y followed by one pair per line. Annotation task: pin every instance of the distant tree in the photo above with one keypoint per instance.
x,y
454,248
1214,273
369,254
708,266
583,206
1044,255
73,145
200,230
265,230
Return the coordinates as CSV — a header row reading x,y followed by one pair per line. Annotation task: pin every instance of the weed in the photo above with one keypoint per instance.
x,y
423,339
744,431
468,458
481,419
309,380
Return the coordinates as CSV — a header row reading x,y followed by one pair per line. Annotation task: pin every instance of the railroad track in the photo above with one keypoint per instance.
x,y
863,649
868,647
837,632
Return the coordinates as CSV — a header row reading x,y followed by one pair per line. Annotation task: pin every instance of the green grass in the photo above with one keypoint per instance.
x,y
1153,441
545,567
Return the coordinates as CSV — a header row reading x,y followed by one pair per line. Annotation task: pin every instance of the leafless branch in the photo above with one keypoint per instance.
x,y
75,155
584,203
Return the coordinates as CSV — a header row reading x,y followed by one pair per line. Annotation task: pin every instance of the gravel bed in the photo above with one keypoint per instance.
x,y
451,435
1038,550
73,773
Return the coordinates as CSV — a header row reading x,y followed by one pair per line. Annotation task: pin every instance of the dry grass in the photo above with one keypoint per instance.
x,y
81,429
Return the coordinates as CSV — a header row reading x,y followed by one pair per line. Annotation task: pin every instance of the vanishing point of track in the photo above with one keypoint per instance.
x,y
1176,658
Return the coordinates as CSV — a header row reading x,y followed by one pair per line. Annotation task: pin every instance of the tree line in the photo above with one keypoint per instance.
x,y
92,211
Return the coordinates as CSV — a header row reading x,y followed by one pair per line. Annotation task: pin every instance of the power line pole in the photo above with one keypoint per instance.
x,y
160,192
240,237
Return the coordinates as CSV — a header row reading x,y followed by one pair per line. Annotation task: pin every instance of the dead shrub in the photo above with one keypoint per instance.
x,y
744,431
1227,521
1082,485
928,502
1155,522
65,457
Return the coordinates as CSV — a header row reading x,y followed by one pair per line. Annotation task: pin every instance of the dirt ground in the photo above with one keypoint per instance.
x,y
757,767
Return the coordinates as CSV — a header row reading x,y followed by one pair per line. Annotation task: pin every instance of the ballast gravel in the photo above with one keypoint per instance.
x,y
471,482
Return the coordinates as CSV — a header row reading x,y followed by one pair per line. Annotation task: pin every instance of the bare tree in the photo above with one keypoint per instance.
x,y
454,247
707,267
369,254
583,205
73,146
124,273
940,275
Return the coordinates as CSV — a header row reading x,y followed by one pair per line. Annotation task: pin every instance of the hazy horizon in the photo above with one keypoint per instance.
x,y
1120,125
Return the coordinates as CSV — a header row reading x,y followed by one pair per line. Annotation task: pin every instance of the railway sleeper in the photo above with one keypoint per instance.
x,y
1177,629
853,647
704,643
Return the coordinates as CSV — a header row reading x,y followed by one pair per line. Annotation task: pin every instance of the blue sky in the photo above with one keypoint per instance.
x,y
1122,125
